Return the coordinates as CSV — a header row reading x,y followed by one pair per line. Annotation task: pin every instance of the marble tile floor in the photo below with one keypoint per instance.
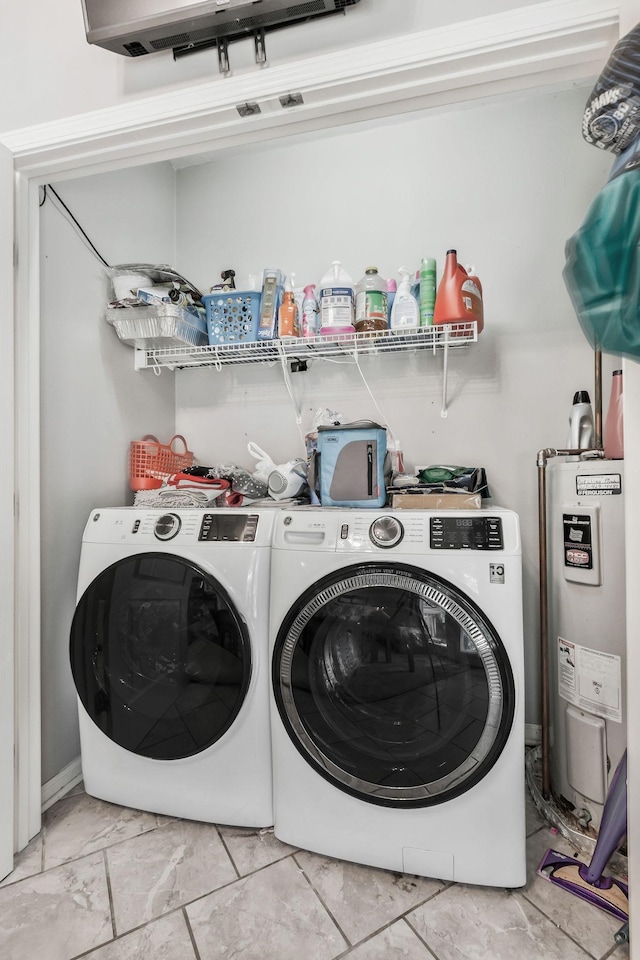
x,y
104,882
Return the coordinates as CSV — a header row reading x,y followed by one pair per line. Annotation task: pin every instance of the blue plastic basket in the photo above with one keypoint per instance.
x,y
232,316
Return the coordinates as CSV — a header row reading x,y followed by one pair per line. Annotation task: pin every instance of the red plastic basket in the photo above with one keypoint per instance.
x,y
150,461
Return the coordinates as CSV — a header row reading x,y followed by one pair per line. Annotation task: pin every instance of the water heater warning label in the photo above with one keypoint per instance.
x,y
590,679
598,485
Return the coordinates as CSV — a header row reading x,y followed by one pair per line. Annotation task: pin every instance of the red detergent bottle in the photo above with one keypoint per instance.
x,y
459,296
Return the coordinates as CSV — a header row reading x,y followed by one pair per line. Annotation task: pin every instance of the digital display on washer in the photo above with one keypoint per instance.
x,y
466,533
225,527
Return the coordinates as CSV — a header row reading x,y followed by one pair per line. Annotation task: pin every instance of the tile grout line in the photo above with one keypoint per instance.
x,y
141,926
191,933
403,916
201,896
421,939
115,937
557,926
228,852
400,916
110,894
325,907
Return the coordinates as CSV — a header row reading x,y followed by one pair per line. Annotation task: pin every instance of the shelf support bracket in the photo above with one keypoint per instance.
x,y
287,381
445,373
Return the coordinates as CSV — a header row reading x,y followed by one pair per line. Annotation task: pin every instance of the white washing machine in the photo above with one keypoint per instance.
x,y
397,690
169,654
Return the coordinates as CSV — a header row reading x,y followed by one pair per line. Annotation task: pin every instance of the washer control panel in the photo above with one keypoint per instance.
x,y
466,533
167,526
386,532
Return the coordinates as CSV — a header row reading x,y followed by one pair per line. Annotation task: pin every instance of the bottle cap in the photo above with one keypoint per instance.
x,y
581,396
371,270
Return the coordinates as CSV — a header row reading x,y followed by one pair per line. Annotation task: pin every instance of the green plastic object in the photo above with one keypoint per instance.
x,y
443,478
427,291
602,270
442,474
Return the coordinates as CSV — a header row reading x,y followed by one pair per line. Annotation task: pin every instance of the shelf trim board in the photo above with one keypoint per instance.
x,y
449,62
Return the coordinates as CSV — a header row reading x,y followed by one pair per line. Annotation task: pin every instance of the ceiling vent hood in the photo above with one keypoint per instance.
x,y
134,28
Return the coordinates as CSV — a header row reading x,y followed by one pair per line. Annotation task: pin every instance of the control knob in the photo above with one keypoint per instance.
x,y
386,532
167,526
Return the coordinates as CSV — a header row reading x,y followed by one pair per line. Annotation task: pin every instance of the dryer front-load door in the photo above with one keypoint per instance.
x,y
160,657
393,685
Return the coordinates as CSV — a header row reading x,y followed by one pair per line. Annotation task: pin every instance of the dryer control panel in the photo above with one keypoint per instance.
x,y
466,533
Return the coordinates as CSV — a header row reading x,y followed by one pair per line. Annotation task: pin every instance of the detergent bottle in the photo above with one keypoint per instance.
x,y
405,312
336,301
581,429
372,312
427,291
474,278
613,425
392,288
288,320
298,296
459,297
309,311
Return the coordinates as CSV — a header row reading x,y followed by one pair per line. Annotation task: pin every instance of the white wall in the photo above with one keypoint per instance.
x,y
46,52
506,183
93,403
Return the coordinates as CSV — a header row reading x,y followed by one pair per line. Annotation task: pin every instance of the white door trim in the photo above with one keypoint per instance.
x,y
27,568
7,520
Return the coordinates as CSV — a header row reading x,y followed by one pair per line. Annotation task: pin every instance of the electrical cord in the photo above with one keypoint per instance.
x,y
49,189
385,420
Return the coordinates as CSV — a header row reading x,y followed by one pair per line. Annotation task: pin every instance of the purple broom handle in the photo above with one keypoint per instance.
x,y
612,828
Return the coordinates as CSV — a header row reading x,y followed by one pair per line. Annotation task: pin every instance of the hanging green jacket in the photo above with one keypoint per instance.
x,y
602,270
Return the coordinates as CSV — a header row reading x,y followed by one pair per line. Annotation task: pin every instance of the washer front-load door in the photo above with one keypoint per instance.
x,y
393,685
161,659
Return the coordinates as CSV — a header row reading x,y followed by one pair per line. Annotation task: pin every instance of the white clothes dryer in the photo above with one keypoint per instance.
x,y
169,655
397,690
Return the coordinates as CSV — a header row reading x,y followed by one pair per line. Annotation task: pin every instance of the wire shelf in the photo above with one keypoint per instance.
x,y
309,348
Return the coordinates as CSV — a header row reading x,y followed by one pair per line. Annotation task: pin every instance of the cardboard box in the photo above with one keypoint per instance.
x,y
436,501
